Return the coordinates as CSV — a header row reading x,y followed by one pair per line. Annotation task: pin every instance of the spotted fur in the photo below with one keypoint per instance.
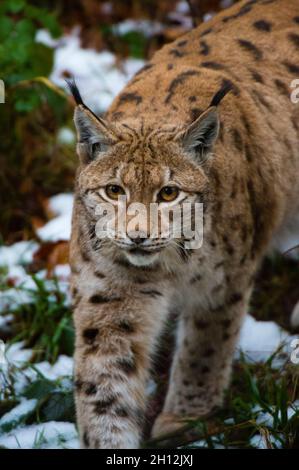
x,y
212,113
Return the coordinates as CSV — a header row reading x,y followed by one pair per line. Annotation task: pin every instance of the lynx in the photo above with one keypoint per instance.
x,y
208,120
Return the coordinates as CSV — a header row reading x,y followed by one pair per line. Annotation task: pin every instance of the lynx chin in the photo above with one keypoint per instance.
x,y
208,120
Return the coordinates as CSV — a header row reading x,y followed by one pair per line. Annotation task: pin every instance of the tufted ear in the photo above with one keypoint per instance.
x,y
199,138
201,135
94,135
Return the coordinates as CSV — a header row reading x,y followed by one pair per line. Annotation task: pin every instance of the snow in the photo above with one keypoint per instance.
x,y
19,253
260,339
20,278
51,435
62,271
59,228
18,413
61,203
208,16
17,355
25,290
146,27
62,367
182,7
5,320
16,273
66,136
22,293
267,419
259,441
97,74
13,258
185,21
10,299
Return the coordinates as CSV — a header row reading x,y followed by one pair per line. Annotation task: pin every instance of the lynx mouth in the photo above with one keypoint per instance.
x,y
140,260
144,251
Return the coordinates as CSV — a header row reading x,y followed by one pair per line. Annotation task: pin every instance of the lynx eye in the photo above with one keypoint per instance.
x,y
168,193
113,191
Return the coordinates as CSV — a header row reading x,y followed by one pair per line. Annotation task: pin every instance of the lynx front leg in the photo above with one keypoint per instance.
x,y
115,336
202,363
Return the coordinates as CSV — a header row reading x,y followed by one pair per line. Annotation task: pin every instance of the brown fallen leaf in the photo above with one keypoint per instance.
x,y
59,255
49,255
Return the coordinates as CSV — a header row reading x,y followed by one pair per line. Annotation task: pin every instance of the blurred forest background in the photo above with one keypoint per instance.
x,y
101,43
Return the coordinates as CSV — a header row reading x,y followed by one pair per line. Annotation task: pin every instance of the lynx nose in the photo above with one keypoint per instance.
x,y
139,239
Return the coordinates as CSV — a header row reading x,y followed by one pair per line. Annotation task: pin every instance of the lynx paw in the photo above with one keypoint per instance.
x,y
167,423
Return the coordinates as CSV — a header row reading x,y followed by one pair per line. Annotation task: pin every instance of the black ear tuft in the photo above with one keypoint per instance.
x,y
226,88
71,83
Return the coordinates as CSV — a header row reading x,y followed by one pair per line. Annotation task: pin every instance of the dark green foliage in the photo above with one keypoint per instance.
x,y
32,163
55,399
45,323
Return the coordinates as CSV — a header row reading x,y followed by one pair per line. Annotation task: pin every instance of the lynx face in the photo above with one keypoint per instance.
x,y
139,179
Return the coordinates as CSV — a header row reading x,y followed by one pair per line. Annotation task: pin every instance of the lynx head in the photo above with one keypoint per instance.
x,y
139,177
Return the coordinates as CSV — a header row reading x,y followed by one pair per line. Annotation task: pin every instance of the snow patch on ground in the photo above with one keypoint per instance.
x,y
50,435
146,27
259,441
63,367
62,271
25,287
5,320
66,136
17,254
97,74
267,419
61,203
260,339
17,355
18,413
13,259
59,228
182,7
